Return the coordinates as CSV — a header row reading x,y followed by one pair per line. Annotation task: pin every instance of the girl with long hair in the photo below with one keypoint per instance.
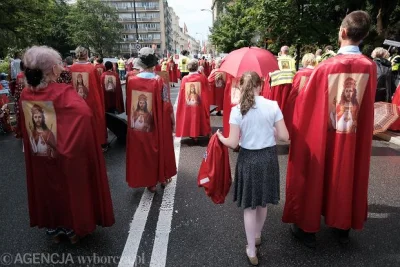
x,y
255,122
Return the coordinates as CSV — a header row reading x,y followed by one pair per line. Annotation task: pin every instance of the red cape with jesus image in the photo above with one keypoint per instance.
x,y
113,96
193,112
65,168
330,148
87,83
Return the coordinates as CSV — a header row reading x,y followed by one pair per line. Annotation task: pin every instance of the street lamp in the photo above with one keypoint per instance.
x,y
136,26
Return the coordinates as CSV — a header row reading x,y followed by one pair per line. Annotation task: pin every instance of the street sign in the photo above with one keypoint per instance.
x,y
138,46
391,43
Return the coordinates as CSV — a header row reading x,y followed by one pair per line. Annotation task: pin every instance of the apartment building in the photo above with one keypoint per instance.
x,y
153,25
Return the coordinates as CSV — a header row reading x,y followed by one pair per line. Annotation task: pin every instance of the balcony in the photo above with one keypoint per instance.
x,y
139,19
141,30
120,9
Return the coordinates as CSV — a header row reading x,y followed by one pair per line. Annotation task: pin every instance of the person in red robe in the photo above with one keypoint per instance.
x,y
299,82
87,83
217,81
330,150
100,68
193,112
279,86
148,135
396,100
20,84
111,84
68,191
172,71
231,98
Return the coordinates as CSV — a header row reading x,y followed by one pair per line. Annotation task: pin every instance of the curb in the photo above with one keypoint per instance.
x,y
391,137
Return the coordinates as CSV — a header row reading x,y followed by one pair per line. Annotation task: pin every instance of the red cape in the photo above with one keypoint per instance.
x,y
168,139
280,92
396,100
215,172
173,78
228,105
100,68
193,112
145,145
113,97
93,95
299,82
329,162
218,87
67,185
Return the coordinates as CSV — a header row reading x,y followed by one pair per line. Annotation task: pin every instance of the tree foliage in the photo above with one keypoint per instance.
x,y
57,24
301,23
95,25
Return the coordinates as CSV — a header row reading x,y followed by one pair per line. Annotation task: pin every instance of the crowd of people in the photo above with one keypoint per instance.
x,y
325,109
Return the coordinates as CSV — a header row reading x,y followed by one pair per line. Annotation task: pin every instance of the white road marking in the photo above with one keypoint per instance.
x,y
136,230
160,247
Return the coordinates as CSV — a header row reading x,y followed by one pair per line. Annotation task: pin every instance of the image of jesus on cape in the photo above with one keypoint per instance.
x,y
193,98
141,117
80,87
110,86
42,139
348,107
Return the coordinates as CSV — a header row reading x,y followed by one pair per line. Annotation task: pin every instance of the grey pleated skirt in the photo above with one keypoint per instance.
x,y
257,178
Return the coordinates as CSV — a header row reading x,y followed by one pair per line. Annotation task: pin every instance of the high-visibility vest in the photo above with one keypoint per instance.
x,y
286,63
121,64
183,64
395,66
279,77
164,66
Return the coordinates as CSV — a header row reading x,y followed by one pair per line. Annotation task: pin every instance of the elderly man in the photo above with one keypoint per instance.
x,y
285,61
193,113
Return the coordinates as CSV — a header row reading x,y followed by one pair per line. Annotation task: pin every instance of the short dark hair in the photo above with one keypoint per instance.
x,y
108,65
21,65
357,24
328,47
69,60
134,54
100,60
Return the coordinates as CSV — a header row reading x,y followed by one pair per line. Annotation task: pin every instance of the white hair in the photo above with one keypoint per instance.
x,y
308,60
193,65
380,52
41,58
81,52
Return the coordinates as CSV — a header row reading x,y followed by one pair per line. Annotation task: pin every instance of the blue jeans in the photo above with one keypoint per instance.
x,y
121,74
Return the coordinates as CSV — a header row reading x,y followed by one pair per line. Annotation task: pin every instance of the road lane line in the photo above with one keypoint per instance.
x,y
136,230
160,246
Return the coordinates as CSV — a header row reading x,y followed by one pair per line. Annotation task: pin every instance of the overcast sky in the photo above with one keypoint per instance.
x,y
189,11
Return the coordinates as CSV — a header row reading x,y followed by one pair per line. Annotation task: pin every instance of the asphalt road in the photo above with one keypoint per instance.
x,y
200,233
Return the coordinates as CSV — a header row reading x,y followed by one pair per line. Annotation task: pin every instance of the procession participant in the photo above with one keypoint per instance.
x,y
66,75
278,86
253,122
164,65
3,118
111,84
385,82
396,100
173,78
121,68
231,98
68,191
183,63
20,84
14,70
99,67
299,82
146,138
329,160
217,82
193,112
87,84
285,61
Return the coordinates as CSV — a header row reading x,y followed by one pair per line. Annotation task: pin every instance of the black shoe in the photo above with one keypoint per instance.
x,y
308,239
343,236
219,113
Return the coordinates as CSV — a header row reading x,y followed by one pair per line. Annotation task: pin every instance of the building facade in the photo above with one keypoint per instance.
x,y
157,26
153,24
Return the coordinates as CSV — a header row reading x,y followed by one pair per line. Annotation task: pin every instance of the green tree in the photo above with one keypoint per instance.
x,y
95,25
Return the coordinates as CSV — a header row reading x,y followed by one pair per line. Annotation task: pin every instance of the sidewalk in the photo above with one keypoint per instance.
x,y
392,137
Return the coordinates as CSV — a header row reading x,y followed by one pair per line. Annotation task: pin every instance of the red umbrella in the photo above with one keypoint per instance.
x,y
249,59
384,115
